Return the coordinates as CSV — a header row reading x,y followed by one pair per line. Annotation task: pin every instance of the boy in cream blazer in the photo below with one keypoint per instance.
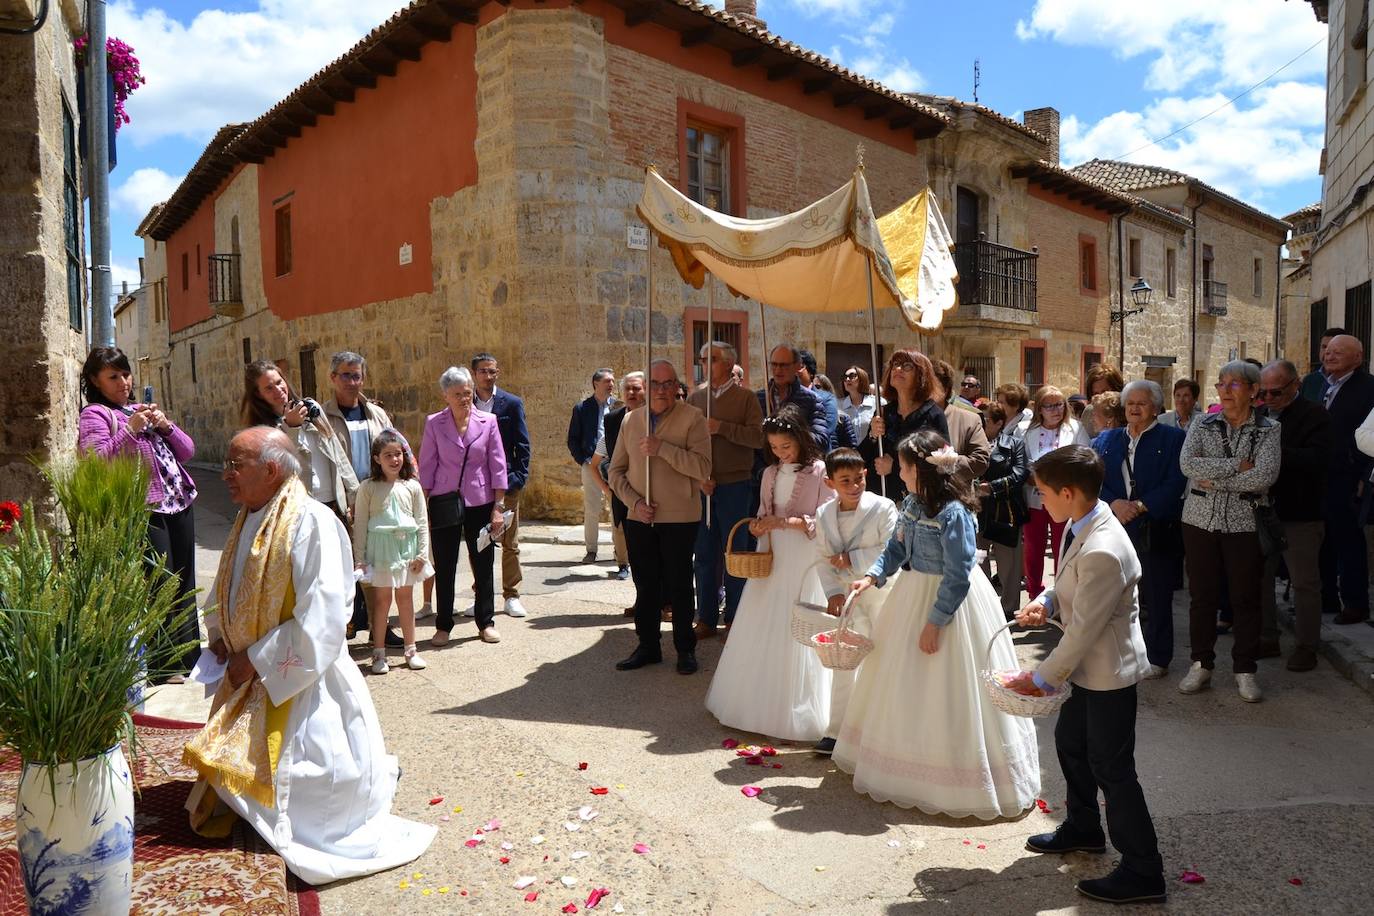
x,y
1102,653
846,547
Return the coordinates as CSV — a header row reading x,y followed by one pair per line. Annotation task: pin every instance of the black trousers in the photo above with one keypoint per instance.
x,y
661,566
1095,740
173,538
360,619
1213,557
445,543
1343,561
1157,598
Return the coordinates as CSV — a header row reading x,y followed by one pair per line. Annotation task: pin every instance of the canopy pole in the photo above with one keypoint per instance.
x,y
710,360
648,365
873,354
767,370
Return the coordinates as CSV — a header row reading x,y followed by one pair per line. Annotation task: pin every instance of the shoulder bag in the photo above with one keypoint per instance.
x,y
446,509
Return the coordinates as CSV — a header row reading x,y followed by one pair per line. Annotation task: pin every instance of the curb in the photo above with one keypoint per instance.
x,y
1341,653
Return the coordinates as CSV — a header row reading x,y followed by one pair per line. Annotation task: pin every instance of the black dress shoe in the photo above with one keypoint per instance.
x,y
393,639
1066,841
638,659
1122,886
687,663
825,747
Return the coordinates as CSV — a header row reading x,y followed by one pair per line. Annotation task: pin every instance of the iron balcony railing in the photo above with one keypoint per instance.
x,y
1213,297
992,274
225,288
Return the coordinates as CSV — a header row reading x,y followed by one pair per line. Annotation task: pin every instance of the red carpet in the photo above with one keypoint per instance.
x,y
175,871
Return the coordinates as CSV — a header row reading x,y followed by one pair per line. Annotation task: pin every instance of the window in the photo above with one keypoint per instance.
x,y
966,215
307,376
840,356
1087,265
1357,315
71,219
1033,364
197,259
708,167
1257,277
185,271
1170,272
1317,322
1356,30
193,364
730,326
1092,356
1133,258
283,223
247,351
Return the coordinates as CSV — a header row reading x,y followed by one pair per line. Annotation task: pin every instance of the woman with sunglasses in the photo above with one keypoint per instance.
x,y
858,402
1050,428
908,390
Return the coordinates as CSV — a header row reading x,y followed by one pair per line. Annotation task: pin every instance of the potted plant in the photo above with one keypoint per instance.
x,y
81,607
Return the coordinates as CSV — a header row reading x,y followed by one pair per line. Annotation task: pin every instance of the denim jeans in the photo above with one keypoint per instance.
x,y
729,504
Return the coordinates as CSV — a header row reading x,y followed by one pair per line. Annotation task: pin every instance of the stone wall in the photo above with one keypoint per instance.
x,y
1163,328
39,387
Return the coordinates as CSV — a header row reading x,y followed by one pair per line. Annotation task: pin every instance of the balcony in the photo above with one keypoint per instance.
x,y
1213,298
996,283
226,291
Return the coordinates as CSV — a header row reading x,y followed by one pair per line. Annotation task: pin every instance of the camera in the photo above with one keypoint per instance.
x,y
312,407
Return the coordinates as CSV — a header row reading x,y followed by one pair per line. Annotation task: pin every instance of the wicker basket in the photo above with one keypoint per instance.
x,y
746,564
842,648
809,619
1018,704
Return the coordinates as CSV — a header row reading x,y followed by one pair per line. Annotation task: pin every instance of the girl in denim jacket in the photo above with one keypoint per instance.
x,y
920,731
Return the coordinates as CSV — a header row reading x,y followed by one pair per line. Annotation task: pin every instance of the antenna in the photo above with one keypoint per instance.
x,y
977,79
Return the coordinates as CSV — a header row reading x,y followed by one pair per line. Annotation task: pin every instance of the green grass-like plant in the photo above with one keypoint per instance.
x,y
75,606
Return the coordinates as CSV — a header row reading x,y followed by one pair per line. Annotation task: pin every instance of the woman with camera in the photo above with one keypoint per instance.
x,y
325,468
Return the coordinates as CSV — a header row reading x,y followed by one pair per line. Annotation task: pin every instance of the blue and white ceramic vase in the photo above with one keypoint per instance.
x,y
76,844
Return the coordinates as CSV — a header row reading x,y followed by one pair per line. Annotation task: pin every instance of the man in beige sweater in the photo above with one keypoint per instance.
x,y
661,459
736,428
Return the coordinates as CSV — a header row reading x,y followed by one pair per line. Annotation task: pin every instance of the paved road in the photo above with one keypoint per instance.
x,y
1249,796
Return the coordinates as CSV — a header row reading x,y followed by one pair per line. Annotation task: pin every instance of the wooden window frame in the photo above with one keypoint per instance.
x,y
1087,244
1043,347
731,125
71,219
1083,366
185,271
1257,277
281,216
692,314
1171,273
194,380
1135,257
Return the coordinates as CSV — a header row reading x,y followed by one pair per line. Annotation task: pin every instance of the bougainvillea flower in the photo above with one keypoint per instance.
x,y
1191,877
445,818
729,744
596,896
600,790
750,791
508,846
641,848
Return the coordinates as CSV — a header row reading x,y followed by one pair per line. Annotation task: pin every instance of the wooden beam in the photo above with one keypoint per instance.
x,y
927,130
404,50
431,32
301,114
694,37
846,97
320,102
872,112
902,120
377,65
638,15
820,84
285,126
361,76
458,12
745,56
781,71
340,89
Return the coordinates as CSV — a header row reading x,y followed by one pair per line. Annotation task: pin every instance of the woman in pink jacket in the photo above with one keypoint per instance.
x,y
113,425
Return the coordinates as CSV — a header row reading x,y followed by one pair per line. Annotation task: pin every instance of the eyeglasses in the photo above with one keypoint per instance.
x,y
1059,406
904,365
665,385
970,385
1232,386
1267,393
350,376
851,375
775,366
234,466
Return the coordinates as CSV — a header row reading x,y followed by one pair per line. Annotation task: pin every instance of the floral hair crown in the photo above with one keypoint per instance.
x,y
945,459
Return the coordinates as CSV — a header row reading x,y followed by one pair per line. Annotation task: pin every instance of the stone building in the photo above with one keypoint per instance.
x,y
1343,245
1231,263
463,180
1300,316
42,248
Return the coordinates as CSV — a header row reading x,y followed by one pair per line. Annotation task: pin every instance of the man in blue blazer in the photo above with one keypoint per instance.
x,y
515,437
1348,398
827,401
587,445
1144,486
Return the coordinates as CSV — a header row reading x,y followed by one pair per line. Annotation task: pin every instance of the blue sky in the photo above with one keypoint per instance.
x,y
1120,73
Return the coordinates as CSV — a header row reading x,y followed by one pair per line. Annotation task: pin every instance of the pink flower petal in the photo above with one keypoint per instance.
x,y
982,845
641,848
1191,877
493,824
570,908
751,791
471,844
596,896
531,896
729,744
968,842
1043,805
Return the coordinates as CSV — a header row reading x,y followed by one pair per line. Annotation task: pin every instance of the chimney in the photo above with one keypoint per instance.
x,y
1045,121
746,10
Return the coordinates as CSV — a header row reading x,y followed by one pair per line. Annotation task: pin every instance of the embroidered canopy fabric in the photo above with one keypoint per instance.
x,y
814,260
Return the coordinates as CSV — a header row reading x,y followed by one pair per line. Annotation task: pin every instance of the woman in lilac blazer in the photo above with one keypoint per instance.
x,y
463,471
110,425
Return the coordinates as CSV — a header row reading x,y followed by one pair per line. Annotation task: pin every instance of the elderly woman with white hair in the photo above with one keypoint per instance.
x,y
1231,460
1144,487
463,474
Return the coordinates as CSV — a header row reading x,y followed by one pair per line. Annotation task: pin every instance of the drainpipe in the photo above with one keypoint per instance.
x,y
1192,310
1121,290
1278,298
98,139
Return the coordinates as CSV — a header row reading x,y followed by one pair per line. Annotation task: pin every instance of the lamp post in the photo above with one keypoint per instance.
x,y
1141,293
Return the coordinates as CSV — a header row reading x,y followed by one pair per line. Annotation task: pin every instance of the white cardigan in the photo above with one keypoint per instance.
x,y
1070,432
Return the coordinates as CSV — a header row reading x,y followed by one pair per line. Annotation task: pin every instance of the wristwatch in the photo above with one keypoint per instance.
x,y
1140,506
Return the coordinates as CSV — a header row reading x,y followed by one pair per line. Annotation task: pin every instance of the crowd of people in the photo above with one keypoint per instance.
x,y
919,486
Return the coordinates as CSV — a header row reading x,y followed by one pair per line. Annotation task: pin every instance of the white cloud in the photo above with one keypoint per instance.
x,y
224,66
871,44
143,188
121,273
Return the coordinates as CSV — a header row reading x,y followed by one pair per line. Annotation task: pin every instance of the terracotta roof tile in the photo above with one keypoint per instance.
x,y
1132,176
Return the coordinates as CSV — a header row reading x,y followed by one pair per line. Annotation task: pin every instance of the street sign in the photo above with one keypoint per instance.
x,y
637,238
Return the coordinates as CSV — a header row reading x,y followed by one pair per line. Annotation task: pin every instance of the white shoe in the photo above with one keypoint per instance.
x,y
1249,688
439,639
1197,678
425,612
515,609
490,635
379,665
470,610
1155,672
413,660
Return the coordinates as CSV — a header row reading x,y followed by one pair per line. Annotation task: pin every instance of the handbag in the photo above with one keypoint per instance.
x,y
446,509
1268,525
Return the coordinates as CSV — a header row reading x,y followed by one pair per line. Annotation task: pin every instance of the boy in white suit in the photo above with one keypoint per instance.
x,y
851,532
1102,653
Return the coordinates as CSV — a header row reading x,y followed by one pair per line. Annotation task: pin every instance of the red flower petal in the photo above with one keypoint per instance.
x,y
471,844
729,744
1191,877
437,800
599,790
754,761
968,842
531,896
596,896
982,845
582,765
504,860
777,766
1296,882
570,908
751,791
768,751
1043,805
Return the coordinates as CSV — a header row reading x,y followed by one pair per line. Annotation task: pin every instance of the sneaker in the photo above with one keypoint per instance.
x,y
515,609
1249,688
825,747
379,665
413,660
1197,678
470,610
1155,672
622,573
490,635
590,557
439,639
425,612
1302,659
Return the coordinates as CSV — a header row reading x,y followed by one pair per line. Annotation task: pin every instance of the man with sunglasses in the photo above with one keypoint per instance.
x,y
1297,496
970,390
785,387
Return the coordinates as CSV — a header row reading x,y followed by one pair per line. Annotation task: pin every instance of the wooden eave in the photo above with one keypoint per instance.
x,y
1070,186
